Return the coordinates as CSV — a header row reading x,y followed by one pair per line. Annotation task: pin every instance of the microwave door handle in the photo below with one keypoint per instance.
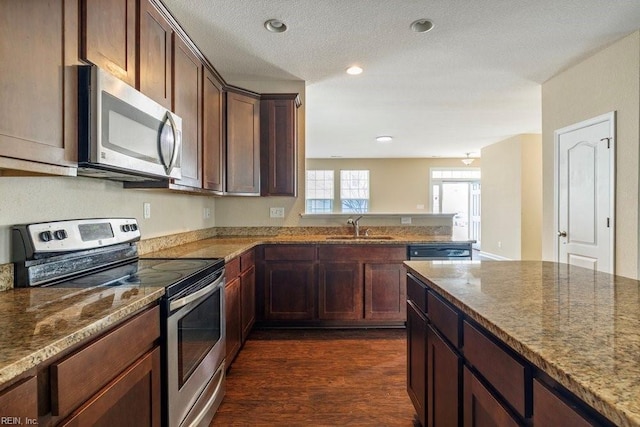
x,y
175,143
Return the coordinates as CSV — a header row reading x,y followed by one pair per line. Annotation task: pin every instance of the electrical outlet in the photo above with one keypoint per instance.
x,y
405,220
206,213
499,244
276,212
420,207
146,210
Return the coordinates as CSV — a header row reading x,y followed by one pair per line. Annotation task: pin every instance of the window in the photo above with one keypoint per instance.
x,y
319,194
354,191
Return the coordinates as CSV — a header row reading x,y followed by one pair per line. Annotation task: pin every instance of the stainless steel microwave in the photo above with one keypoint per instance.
x,y
123,134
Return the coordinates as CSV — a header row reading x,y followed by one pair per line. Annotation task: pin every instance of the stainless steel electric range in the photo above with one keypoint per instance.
x,y
90,253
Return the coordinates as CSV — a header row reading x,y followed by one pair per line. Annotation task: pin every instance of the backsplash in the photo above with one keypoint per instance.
x,y
6,277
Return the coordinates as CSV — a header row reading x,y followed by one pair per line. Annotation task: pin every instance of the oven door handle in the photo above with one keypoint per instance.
x,y
173,305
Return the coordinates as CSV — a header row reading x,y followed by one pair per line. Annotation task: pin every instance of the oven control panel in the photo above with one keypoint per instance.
x,y
73,235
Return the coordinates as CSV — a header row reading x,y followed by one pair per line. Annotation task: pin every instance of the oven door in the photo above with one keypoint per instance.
x,y
195,352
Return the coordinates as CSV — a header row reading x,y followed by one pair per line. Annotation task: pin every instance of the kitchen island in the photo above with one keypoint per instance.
x,y
570,331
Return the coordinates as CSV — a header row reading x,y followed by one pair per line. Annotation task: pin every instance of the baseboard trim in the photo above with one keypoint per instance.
x,y
493,257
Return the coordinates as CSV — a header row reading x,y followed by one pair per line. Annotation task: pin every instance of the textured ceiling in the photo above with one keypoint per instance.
x,y
471,81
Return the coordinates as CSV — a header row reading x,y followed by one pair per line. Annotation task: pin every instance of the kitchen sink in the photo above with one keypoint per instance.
x,y
360,237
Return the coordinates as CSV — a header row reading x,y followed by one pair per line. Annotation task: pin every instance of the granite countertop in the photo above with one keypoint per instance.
x,y
37,324
580,327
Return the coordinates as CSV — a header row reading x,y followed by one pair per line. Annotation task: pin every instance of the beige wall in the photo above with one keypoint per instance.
x,y
32,199
397,185
511,198
531,197
607,81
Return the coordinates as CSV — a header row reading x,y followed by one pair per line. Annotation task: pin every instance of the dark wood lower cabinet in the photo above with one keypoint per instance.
x,y
549,409
20,402
444,367
385,290
248,300
233,319
480,406
416,360
289,291
132,399
339,291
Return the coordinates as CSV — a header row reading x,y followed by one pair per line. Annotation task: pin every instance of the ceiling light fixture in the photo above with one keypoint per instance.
x,y
467,161
275,26
354,70
421,26
384,138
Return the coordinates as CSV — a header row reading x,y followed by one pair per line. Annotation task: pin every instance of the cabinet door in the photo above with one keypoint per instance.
x,y
109,36
38,100
155,54
187,78
443,382
417,361
248,297
385,290
233,321
213,142
288,291
278,144
340,291
133,398
243,144
481,408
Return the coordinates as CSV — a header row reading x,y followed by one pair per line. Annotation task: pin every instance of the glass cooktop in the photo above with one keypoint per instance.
x,y
148,272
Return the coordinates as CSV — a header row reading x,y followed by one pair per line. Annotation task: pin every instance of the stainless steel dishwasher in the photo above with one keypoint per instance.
x,y
440,251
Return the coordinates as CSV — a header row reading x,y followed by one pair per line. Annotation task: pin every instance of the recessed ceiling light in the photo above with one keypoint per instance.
x,y
354,70
421,25
275,26
384,138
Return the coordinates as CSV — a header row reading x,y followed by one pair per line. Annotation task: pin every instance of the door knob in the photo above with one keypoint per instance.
x,y
562,233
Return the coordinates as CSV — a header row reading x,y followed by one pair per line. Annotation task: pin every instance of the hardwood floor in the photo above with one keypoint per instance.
x,y
319,378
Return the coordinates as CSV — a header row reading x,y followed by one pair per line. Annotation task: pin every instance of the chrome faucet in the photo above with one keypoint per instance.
x,y
356,225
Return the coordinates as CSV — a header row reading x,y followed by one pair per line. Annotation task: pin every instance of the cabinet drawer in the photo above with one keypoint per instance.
x,y
445,318
507,375
86,371
366,253
417,292
20,401
232,269
247,260
290,253
550,409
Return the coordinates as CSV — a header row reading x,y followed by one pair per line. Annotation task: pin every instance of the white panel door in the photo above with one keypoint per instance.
x,y
585,176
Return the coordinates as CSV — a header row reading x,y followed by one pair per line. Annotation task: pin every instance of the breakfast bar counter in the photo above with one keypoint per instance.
x,y
578,327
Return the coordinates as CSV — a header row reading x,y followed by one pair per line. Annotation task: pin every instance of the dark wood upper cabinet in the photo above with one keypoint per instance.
x,y
155,53
279,144
38,104
213,148
187,103
108,36
243,144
